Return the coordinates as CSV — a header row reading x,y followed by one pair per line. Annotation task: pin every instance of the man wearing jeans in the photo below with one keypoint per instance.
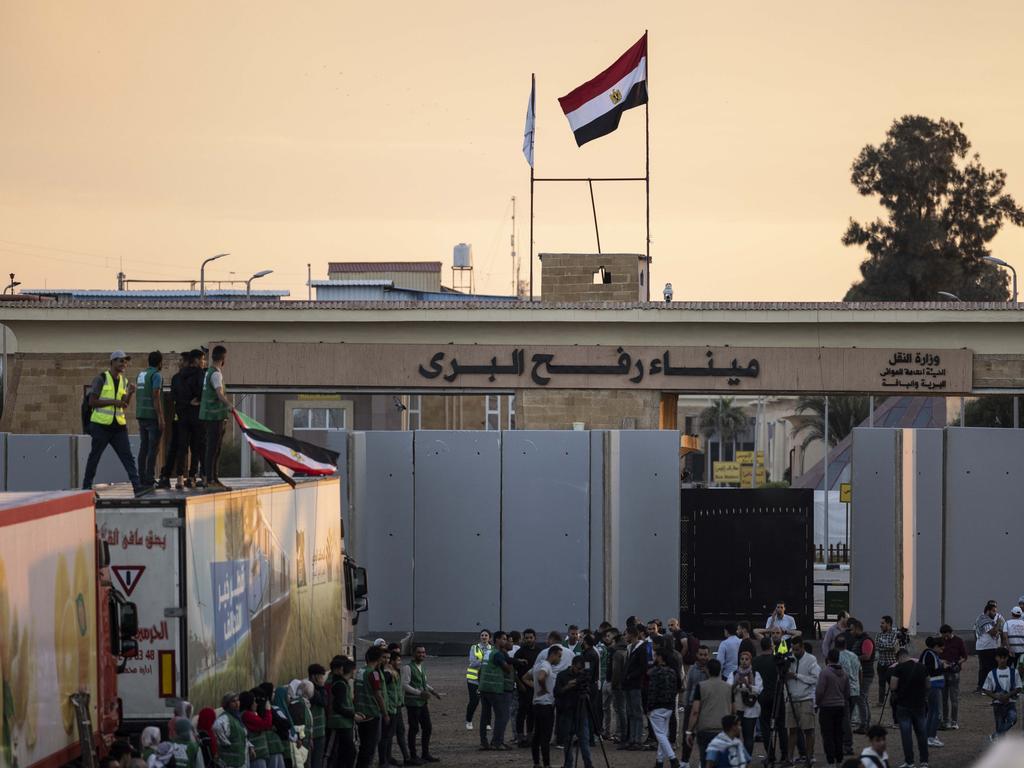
x,y
662,687
632,686
109,395
954,654
908,682
572,694
494,696
150,414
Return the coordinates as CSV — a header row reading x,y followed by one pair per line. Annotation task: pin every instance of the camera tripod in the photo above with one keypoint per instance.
x,y
584,709
779,700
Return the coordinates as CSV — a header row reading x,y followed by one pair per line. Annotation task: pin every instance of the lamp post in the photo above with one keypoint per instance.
x,y
202,272
1001,263
949,296
12,285
248,283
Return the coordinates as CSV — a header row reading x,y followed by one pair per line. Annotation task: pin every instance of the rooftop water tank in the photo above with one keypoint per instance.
x,y
462,256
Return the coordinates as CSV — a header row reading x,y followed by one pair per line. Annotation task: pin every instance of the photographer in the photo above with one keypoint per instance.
x,y
887,642
572,697
801,680
954,653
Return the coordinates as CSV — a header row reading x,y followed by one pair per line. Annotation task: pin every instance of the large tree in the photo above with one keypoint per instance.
x,y
844,413
942,209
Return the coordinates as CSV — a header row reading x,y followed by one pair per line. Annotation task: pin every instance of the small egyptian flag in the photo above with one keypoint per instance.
x,y
594,108
286,455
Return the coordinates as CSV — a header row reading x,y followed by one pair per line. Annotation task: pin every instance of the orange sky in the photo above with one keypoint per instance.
x,y
150,134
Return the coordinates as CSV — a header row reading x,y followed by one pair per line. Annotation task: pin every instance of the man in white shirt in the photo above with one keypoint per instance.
x,y
801,681
543,678
988,634
1003,686
779,619
1015,634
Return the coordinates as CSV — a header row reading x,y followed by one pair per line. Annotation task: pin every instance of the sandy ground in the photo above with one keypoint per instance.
x,y
454,745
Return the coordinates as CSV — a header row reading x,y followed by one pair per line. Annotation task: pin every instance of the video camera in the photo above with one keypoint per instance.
x,y
784,654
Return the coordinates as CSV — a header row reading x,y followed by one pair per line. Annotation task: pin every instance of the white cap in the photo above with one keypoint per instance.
x,y
119,354
381,642
1016,611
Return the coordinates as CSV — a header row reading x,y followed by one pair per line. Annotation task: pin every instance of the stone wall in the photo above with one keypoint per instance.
x,y
45,391
570,277
596,408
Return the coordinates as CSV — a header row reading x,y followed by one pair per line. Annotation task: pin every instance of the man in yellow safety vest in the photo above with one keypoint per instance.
x,y
478,653
109,395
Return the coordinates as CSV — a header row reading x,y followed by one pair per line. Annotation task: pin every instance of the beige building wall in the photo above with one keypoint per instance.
x,y
418,281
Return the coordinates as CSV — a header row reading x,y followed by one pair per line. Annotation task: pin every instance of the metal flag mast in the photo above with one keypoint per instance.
x,y
646,178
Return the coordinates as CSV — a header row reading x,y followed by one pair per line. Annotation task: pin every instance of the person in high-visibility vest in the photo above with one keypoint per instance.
x,y
478,653
109,396
214,408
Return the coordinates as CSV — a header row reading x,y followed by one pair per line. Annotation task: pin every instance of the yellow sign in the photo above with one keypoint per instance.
x,y
746,472
747,457
845,493
726,471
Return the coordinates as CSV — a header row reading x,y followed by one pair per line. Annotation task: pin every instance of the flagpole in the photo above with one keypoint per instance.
x,y
647,161
533,98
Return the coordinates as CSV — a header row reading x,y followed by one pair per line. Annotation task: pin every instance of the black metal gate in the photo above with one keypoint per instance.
x,y
742,551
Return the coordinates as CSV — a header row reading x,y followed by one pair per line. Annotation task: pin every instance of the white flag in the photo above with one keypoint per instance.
x,y
528,130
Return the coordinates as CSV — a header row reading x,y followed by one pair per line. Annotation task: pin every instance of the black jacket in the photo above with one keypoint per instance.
x,y
186,386
636,668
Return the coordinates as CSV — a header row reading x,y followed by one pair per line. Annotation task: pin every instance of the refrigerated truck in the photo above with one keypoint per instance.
x,y
233,588
62,628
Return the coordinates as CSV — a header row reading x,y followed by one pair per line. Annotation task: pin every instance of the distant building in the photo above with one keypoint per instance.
x,y
413,275
212,294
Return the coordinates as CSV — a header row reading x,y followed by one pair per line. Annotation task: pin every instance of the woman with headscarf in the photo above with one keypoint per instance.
x,y
181,709
204,733
283,733
256,723
299,694
149,740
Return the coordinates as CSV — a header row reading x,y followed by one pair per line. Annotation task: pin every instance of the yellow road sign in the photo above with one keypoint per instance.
x,y
747,457
726,471
845,493
746,472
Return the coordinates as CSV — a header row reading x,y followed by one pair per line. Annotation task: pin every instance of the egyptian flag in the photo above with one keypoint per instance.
x,y
287,456
595,107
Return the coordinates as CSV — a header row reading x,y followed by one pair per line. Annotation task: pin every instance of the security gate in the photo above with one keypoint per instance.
x,y
742,551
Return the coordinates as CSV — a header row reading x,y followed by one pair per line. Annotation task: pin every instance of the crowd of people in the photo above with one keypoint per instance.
x,y
196,419
647,687
658,688
339,717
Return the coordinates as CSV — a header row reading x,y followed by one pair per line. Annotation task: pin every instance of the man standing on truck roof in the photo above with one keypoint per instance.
x,y
214,408
109,395
150,414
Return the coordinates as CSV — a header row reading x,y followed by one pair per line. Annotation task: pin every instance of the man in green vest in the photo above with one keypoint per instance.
x,y
109,396
230,733
150,414
318,711
496,685
370,708
214,408
186,749
417,694
340,751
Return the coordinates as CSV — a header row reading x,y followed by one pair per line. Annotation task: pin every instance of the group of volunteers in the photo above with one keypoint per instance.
x,y
196,418
336,718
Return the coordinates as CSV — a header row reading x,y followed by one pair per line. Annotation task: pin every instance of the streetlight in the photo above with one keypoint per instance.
x,y
13,284
1001,263
248,283
202,272
949,296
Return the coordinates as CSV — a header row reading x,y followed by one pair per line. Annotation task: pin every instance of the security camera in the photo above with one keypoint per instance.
x,y
667,293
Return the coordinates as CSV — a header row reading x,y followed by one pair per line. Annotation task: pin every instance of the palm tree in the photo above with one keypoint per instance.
x,y
725,419
844,413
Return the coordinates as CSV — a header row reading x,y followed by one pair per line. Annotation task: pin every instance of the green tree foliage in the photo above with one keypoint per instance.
x,y
942,209
844,413
723,418
987,411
